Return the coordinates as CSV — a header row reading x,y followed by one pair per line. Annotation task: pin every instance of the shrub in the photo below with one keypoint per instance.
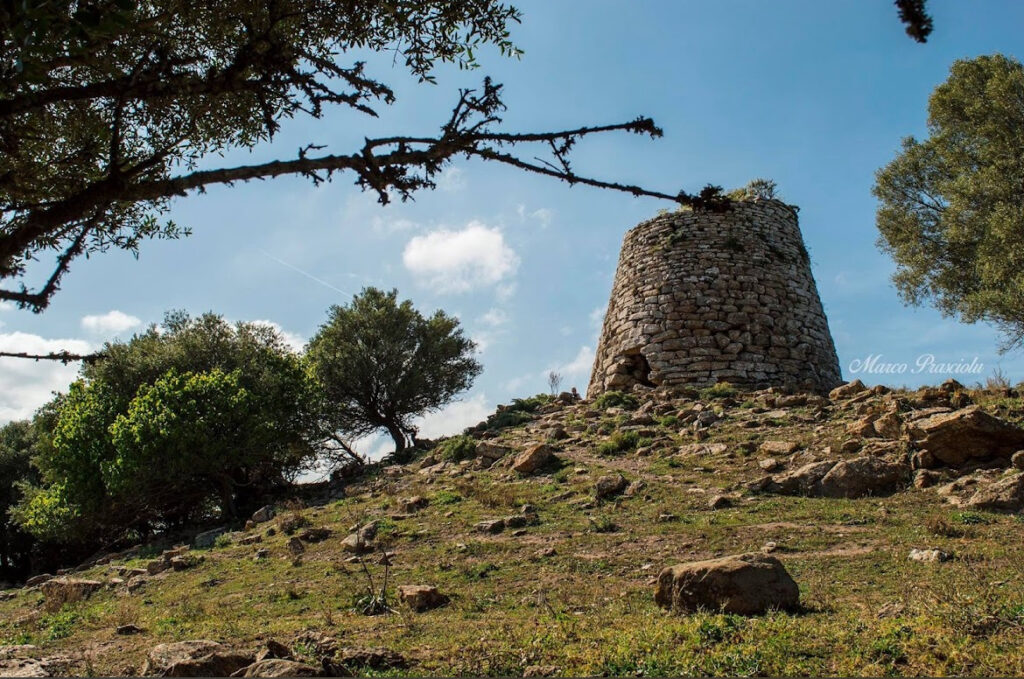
x,y
719,390
447,497
616,399
457,448
520,411
620,442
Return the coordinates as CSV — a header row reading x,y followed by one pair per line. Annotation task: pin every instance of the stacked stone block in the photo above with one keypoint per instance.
x,y
701,298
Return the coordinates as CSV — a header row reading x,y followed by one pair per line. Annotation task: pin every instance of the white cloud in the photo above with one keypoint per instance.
x,y
111,323
505,292
494,317
6,306
544,216
451,180
458,261
579,367
455,417
293,340
597,317
25,384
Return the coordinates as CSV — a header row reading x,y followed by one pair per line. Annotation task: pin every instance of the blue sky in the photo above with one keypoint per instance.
x,y
815,95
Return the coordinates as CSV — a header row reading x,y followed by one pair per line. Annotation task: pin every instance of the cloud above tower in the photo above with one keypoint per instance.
x,y
457,261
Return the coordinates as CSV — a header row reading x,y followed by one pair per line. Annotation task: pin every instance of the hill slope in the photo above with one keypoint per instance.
x,y
566,585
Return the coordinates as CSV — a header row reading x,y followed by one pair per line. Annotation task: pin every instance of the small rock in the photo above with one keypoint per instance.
x,y
207,539
667,518
127,630
64,590
1018,459
278,667
411,505
200,658
261,553
540,671
610,486
312,535
926,478
779,447
492,526
769,464
421,597
273,649
263,514
719,502
38,579
847,390
372,658
295,546
1006,495
929,555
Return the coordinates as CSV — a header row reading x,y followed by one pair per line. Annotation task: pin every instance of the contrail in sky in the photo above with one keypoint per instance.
x,y
304,273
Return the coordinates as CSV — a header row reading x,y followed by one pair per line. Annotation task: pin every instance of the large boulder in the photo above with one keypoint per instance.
x,y
1005,495
533,458
802,481
961,436
198,658
866,475
747,584
60,591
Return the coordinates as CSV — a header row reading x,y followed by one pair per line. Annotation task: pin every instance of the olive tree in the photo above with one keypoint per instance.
x,y
951,206
380,363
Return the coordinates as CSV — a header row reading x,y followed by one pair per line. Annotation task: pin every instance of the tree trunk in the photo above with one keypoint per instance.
x,y
398,435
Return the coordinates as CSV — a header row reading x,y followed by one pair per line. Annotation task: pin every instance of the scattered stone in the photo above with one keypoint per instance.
x,y
492,526
200,658
802,481
929,555
610,486
862,428
926,478
769,547
667,518
273,649
421,597
312,535
261,553
128,630
779,447
969,433
769,464
207,539
278,667
547,552
263,514
6,596
862,476
24,667
295,546
64,590
185,562
719,502
411,505
540,671
847,390
889,426
1018,459
251,540
1006,495
38,579
533,458
359,541
747,584
372,658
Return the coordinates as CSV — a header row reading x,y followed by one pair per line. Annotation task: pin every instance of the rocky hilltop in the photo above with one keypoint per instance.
x,y
655,532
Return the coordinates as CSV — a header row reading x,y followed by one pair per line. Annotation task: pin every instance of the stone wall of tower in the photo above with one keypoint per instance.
x,y
702,297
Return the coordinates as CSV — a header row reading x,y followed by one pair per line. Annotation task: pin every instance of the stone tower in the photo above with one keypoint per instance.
x,y
702,297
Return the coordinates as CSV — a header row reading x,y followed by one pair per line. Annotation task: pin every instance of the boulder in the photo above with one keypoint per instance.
x,y
866,475
278,667
63,590
1005,495
421,597
533,458
802,481
206,539
847,390
198,658
929,555
38,579
889,426
491,526
958,437
779,447
413,504
769,464
747,584
263,514
610,486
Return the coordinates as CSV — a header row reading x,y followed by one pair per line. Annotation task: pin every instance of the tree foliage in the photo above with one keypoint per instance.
x,y
914,15
380,363
17,440
107,108
951,207
186,421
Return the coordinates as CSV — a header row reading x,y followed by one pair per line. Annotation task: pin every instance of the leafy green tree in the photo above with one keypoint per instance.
x,y
380,364
951,207
16,442
195,416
